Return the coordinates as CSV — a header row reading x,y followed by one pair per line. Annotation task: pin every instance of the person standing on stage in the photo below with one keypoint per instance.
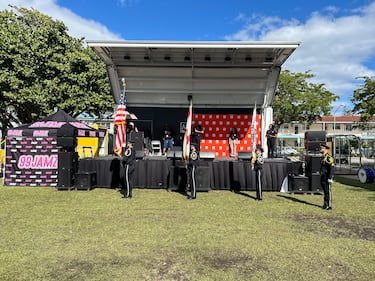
x,y
191,169
233,141
130,129
271,136
168,138
257,162
128,162
196,134
327,164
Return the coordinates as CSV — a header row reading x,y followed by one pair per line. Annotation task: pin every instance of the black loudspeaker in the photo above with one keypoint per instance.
x,y
67,167
207,155
245,155
315,185
315,136
65,178
67,142
298,183
138,139
66,131
203,178
68,160
177,178
314,146
312,164
85,180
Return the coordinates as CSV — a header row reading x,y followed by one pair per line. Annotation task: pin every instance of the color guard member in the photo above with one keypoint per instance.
x,y
128,162
257,162
327,165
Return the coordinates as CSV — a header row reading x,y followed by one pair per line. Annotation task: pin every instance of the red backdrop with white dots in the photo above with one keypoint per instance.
x,y
217,128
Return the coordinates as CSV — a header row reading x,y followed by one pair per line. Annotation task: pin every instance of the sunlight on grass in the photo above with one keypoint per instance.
x,y
158,235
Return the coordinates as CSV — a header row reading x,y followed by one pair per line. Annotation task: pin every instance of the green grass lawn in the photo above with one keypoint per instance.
x,y
158,235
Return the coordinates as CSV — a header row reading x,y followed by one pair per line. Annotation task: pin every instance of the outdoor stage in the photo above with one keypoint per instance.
x,y
225,174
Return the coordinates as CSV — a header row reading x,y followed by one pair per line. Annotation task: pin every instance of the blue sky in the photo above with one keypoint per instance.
x,y
337,37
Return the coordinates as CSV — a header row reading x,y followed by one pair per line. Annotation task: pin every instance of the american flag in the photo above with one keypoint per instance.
x,y
186,144
120,124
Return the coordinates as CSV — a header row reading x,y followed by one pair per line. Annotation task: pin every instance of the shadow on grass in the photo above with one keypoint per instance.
x,y
299,201
244,194
355,182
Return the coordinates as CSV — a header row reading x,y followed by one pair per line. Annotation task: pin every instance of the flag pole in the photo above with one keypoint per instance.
x,y
186,143
124,93
253,128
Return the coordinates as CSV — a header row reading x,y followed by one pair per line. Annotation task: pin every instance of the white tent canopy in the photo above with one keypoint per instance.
x,y
216,74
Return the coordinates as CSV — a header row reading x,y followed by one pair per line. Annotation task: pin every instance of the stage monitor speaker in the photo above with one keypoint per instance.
x,y
65,178
207,155
312,164
315,185
245,155
139,154
67,142
174,154
203,178
318,136
298,183
85,180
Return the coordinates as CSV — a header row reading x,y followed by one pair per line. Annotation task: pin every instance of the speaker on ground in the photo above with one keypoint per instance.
x,y
298,183
65,178
85,180
177,178
203,178
312,164
315,185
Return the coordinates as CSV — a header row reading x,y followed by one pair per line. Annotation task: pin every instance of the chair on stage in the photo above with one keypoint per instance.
x,y
155,147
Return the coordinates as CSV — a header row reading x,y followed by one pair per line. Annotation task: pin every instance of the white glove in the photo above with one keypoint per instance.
x,y
330,180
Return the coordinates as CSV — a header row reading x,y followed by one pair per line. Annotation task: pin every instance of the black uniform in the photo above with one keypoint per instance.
x,y
327,164
271,141
128,162
191,169
196,136
257,165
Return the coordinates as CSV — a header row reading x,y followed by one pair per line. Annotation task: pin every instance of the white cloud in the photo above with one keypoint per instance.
x,y
78,26
335,49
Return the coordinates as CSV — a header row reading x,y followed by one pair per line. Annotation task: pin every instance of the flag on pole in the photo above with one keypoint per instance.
x,y
120,122
254,128
186,144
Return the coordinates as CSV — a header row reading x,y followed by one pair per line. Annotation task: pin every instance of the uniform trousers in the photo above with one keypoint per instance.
x,y
129,172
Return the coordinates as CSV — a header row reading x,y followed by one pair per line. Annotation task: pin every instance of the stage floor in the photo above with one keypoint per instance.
x,y
225,174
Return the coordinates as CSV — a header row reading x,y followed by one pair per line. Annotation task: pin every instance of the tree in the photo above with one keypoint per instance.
x,y
298,100
43,68
364,99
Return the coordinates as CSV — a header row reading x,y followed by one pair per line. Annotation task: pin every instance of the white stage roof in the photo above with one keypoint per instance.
x,y
216,74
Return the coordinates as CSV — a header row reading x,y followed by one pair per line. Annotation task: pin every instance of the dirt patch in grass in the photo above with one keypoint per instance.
x,y
241,263
339,227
